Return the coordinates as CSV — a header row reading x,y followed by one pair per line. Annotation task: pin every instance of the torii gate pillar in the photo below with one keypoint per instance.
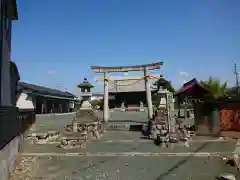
x,y
106,99
148,94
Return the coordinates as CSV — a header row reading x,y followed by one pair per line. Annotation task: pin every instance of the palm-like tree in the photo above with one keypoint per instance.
x,y
214,85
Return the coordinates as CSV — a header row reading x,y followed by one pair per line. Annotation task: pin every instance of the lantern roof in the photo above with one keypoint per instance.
x,y
85,84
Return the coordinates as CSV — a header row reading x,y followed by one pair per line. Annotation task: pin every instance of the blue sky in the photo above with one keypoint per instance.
x,y
55,42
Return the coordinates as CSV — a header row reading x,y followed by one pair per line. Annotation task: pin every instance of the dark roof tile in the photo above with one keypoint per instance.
x,y
43,90
188,86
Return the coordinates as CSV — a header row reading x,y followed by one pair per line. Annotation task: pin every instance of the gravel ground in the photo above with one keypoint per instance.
x,y
25,170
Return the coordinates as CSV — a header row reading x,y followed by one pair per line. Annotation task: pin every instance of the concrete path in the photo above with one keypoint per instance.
x,y
125,156
133,159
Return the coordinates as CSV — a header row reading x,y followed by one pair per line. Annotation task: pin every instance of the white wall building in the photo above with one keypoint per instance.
x,y
26,101
43,99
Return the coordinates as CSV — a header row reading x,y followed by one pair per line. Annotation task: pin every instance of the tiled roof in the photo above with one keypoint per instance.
x,y
43,90
188,86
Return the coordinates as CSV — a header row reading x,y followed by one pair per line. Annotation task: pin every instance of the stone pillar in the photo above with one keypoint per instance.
x,y
179,106
185,108
168,115
42,109
123,108
141,107
171,112
148,94
75,127
216,125
105,108
53,108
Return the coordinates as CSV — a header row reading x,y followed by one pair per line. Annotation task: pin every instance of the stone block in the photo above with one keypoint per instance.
x,y
226,176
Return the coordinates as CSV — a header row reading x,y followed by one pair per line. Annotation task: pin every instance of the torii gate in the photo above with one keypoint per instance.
x,y
144,68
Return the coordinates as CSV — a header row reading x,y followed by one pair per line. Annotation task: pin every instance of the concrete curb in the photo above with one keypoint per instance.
x,y
54,114
126,154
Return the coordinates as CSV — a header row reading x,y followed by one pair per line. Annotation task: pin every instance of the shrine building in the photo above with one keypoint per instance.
x,y
130,90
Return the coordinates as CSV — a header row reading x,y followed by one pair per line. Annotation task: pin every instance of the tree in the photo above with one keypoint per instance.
x,y
97,103
164,83
214,85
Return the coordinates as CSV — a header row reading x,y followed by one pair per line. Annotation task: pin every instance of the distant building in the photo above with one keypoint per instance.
x,y
44,100
130,90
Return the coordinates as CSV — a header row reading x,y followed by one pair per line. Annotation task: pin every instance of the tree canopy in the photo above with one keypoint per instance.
x,y
215,86
162,82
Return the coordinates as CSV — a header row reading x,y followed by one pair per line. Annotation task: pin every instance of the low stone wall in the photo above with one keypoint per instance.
x,y
14,124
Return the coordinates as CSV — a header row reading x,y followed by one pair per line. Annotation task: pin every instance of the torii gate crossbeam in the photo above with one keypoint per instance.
x,y
143,67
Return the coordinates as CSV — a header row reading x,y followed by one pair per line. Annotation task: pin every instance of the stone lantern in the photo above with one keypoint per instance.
x,y
85,93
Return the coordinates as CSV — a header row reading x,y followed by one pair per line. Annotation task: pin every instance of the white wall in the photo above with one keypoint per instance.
x,y
26,101
71,104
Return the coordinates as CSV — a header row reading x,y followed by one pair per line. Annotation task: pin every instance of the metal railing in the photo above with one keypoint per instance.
x,y
14,122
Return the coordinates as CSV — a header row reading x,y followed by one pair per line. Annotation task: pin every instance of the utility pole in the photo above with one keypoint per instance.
x,y
237,76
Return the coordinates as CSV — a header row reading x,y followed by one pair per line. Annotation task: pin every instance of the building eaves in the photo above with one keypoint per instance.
x,y
14,68
43,90
12,12
188,86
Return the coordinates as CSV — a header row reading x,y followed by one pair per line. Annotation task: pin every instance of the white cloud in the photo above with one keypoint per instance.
x,y
182,73
51,72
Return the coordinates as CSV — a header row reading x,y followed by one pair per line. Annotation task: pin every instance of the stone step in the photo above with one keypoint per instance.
x,y
114,126
124,127
70,138
73,142
38,135
76,134
43,135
